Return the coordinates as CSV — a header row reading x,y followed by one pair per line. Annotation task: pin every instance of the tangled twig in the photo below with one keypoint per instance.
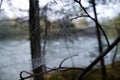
x,y
45,72
60,68
65,60
88,15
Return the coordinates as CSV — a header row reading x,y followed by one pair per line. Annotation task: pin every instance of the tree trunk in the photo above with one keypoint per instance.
x,y
35,38
103,68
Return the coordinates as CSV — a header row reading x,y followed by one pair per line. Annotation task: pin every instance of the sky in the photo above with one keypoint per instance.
x,y
13,12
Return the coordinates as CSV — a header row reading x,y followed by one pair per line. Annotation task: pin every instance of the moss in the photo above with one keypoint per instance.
x,y
113,73
63,75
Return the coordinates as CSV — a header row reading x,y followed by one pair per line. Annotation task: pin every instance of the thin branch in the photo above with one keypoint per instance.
x,y
70,68
55,1
24,72
67,47
1,5
114,56
65,60
103,68
78,17
39,74
46,30
79,2
23,10
99,58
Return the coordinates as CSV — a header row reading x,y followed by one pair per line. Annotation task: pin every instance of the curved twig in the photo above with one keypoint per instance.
x,y
55,69
65,60
24,72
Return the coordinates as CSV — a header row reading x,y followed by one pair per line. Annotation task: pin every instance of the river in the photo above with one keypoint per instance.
x,y
15,55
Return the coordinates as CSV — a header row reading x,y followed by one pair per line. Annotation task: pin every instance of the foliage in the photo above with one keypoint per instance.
x,y
59,24
112,27
115,23
82,23
9,30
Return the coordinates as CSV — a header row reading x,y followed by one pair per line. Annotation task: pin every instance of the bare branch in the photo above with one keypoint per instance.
x,y
1,5
115,54
79,2
24,72
65,60
103,68
23,10
99,58
55,1
55,69
78,17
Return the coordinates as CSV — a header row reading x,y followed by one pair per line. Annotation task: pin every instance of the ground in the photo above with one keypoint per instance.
x,y
113,73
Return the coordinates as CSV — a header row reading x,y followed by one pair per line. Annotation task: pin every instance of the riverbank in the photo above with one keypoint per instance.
x,y
113,73
54,34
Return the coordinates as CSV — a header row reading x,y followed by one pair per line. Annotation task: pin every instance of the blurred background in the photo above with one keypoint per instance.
x,y
66,34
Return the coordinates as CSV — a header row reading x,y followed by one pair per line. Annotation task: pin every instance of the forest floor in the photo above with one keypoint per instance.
x,y
113,73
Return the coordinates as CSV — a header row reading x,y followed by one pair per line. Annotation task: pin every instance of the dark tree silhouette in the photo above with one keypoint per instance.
x,y
35,38
99,29
103,68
